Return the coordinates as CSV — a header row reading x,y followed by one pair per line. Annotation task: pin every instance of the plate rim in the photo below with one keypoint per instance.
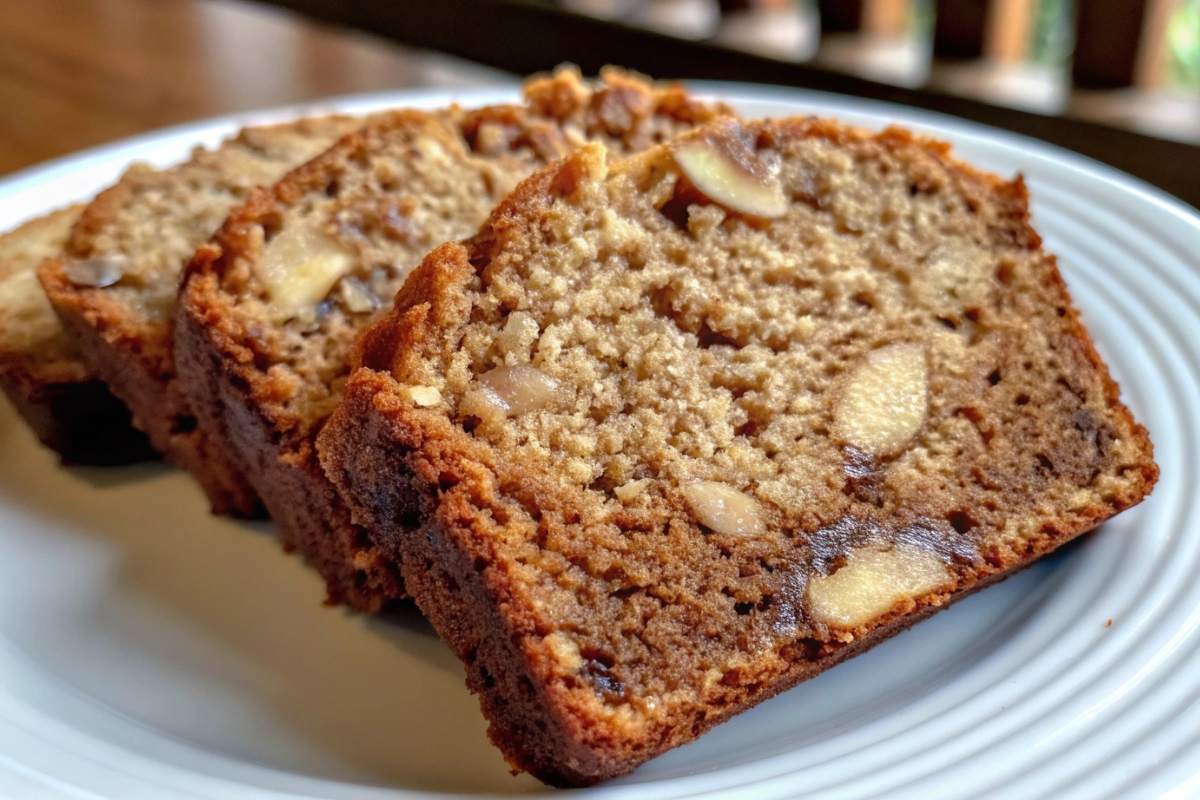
x,y
13,185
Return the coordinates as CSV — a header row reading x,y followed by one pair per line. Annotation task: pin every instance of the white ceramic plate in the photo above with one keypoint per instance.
x,y
148,650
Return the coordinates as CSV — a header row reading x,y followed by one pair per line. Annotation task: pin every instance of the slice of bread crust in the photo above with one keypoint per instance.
x,y
67,406
271,307
114,287
673,433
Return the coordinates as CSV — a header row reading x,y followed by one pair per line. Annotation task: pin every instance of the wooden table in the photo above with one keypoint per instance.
x,y
75,73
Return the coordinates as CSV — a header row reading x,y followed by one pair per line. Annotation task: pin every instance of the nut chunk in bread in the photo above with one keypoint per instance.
x,y
114,286
272,306
67,406
675,432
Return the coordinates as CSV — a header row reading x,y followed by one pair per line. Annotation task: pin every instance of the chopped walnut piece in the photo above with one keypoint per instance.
x,y
723,509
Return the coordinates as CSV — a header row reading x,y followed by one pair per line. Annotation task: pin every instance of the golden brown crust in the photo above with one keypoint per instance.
x,y
135,361
600,631
69,409
150,222
250,378
224,362
308,512
532,724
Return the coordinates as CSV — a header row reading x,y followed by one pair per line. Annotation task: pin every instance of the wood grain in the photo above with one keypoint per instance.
x,y
75,73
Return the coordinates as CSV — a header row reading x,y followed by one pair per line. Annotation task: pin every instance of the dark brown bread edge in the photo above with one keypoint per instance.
x,y
139,378
233,401
69,410
76,417
233,405
310,514
526,720
420,485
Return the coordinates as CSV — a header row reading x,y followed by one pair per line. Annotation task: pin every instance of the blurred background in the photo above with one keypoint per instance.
x,y
1115,79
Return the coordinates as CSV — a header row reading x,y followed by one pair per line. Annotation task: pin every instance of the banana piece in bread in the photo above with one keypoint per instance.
x,y
67,406
675,432
272,306
115,284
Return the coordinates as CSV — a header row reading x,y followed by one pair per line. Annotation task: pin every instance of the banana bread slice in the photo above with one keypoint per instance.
x,y
114,287
67,406
673,433
271,308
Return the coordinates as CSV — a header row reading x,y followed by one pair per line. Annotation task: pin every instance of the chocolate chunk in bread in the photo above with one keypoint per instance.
x,y
677,431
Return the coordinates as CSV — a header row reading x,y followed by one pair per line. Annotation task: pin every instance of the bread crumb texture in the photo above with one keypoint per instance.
x,y
116,284
135,238
708,418
41,369
272,306
303,271
30,334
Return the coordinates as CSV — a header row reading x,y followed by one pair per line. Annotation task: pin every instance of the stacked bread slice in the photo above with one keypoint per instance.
x,y
114,283
112,271
654,412
272,306
41,370
676,431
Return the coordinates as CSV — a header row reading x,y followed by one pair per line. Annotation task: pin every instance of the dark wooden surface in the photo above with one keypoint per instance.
x,y
75,73
524,36
959,27
841,15
1107,36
